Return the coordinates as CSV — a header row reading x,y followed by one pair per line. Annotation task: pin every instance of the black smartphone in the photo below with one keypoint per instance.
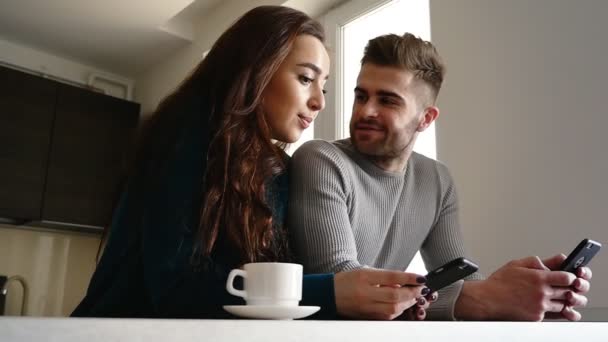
x,y
450,272
581,255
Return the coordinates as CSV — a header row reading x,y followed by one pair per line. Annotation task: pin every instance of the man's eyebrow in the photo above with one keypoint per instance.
x,y
390,94
313,67
382,93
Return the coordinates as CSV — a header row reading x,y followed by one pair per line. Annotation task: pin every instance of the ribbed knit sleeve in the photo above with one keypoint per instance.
x,y
318,214
445,243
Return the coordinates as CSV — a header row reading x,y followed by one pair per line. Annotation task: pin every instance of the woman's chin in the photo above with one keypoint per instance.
x,y
291,138
287,140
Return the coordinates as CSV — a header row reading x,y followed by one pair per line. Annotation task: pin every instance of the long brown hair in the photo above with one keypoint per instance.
x,y
241,158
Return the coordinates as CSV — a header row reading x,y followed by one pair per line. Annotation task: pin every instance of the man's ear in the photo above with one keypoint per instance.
x,y
430,114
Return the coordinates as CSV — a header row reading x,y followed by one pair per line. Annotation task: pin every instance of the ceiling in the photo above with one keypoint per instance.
x,y
120,36
124,37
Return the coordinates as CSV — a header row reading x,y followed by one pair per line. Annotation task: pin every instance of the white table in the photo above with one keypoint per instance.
x,y
13,329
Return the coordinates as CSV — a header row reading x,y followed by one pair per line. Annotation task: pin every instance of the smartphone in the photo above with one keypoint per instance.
x,y
581,255
449,273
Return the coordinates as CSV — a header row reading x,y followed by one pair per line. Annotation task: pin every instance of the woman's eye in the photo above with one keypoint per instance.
x,y
305,80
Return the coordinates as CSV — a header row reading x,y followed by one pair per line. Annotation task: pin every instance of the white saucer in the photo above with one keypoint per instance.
x,y
271,312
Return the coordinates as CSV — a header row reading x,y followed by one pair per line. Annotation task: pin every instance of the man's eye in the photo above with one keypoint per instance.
x,y
359,97
305,80
387,101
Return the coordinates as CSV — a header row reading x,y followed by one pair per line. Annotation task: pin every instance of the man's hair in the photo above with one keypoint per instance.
x,y
409,52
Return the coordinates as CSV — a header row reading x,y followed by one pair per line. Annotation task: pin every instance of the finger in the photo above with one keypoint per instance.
x,y
420,314
584,272
555,306
559,278
422,303
567,312
391,295
385,277
559,293
581,285
432,297
387,311
554,262
571,314
575,299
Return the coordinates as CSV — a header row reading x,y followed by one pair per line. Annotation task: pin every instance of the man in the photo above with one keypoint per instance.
x,y
370,201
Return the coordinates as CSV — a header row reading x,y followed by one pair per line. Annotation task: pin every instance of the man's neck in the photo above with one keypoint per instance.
x,y
392,164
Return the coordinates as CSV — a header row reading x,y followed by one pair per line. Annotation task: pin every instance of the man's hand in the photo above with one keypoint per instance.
x,y
522,290
377,294
576,297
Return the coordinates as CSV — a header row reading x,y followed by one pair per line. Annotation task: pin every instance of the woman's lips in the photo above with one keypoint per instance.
x,y
304,121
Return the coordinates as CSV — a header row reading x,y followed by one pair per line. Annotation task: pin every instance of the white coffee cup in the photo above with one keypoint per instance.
x,y
268,283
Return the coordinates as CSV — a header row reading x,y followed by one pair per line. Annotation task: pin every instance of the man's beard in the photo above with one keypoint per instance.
x,y
385,149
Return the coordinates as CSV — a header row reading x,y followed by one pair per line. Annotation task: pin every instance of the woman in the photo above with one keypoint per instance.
x,y
208,188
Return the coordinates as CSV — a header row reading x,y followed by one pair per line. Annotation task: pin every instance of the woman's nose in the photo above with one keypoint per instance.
x,y
317,100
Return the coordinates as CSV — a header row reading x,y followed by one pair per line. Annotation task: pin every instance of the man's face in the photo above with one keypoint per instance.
x,y
387,114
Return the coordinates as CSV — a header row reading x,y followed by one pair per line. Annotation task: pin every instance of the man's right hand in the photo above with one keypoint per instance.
x,y
522,290
377,294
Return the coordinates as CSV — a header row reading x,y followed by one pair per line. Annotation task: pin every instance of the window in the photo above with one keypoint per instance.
x,y
349,28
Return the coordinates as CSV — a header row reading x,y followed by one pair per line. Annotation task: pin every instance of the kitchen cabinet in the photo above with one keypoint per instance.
x,y
62,150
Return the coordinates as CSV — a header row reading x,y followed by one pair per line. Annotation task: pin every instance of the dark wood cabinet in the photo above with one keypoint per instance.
x,y
27,106
86,160
62,150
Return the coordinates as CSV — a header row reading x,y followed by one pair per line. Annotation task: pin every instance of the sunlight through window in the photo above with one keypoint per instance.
x,y
397,17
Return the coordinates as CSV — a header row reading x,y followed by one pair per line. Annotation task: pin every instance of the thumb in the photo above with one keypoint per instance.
x,y
532,262
554,262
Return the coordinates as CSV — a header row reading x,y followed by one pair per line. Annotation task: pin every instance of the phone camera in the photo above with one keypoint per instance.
x,y
579,262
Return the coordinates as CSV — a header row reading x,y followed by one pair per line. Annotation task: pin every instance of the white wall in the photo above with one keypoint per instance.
x,y
49,64
160,80
523,126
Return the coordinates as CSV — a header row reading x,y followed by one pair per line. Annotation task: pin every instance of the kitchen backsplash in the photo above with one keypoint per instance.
x,y
56,266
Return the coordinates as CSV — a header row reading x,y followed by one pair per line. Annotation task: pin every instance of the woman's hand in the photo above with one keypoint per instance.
x,y
418,311
377,294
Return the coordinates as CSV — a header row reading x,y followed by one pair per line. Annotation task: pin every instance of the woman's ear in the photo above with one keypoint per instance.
x,y
430,114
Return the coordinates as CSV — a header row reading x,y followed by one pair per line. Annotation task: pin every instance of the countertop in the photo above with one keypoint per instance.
x,y
13,329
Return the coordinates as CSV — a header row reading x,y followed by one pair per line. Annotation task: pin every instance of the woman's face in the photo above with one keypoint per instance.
x,y
295,94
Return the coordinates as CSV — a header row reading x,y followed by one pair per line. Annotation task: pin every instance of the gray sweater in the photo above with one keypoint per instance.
x,y
346,213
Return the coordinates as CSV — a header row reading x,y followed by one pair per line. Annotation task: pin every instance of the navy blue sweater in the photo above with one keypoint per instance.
x,y
147,269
